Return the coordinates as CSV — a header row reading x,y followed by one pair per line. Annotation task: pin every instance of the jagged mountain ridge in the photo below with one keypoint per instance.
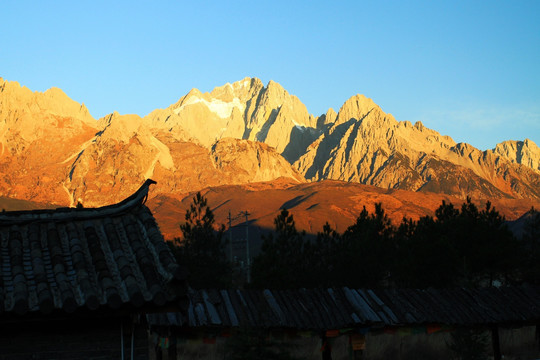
x,y
360,143
54,151
366,145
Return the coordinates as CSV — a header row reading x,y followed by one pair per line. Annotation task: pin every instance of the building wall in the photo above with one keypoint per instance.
x,y
69,339
519,343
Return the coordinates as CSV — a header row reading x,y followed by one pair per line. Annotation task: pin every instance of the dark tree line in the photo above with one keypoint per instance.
x,y
464,246
458,247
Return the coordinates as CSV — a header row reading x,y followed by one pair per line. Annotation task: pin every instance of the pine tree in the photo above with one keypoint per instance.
x,y
202,248
530,266
282,261
365,251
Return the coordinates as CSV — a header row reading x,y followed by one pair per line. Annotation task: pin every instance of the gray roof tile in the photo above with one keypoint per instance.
x,y
320,309
77,259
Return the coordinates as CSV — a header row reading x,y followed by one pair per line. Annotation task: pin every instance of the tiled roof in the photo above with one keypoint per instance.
x,y
83,259
319,309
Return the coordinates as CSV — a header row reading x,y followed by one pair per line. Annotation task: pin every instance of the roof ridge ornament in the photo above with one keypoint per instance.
x,y
139,197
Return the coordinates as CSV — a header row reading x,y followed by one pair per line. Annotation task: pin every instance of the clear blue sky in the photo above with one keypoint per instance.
x,y
468,69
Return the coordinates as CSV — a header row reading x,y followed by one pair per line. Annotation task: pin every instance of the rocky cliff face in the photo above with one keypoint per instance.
x,y
38,134
366,145
250,161
520,152
243,110
52,150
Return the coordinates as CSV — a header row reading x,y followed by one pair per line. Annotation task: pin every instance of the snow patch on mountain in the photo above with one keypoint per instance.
x,y
302,128
219,107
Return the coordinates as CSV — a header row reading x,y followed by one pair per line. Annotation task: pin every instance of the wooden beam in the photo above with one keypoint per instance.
x,y
537,334
495,341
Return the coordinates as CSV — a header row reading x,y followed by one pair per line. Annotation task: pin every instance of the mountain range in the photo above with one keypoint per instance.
x,y
250,138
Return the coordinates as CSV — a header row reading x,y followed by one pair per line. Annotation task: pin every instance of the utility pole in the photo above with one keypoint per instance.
x,y
248,262
230,239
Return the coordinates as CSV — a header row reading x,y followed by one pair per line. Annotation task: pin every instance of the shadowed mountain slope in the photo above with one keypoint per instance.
x,y
312,204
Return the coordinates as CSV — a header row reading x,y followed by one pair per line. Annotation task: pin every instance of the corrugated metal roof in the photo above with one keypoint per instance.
x,y
68,259
319,309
